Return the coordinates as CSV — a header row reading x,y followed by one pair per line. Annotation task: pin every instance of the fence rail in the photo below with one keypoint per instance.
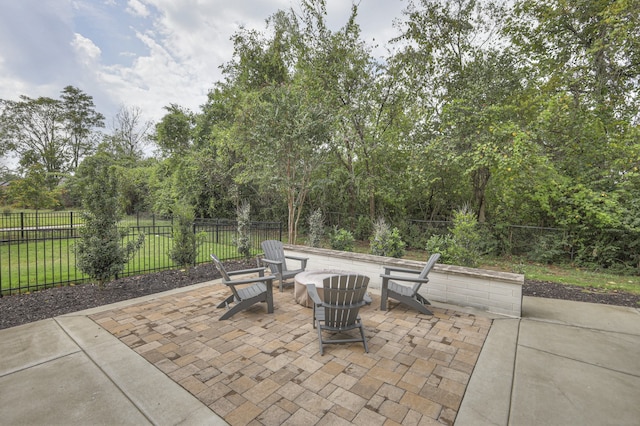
x,y
37,257
24,221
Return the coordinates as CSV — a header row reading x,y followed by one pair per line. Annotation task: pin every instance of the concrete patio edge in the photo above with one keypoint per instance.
x,y
487,398
158,397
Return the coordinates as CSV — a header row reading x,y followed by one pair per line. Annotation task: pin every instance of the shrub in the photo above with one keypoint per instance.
x,y
548,248
244,229
463,245
184,250
341,239
364,228
316,228
386,241
99,252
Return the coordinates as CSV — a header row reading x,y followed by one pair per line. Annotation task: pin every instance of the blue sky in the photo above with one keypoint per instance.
x,y
142,53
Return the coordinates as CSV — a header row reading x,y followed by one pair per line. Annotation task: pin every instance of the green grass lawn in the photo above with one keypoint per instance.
x,y
563,274
40,264
37,264
48,262
567,274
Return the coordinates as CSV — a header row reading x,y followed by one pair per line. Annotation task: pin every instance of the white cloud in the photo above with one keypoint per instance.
x,y
146,53
137,8
88,53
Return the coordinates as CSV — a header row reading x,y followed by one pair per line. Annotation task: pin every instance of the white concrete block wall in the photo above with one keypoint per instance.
x,y
492,291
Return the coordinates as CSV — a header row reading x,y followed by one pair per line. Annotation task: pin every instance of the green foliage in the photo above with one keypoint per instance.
x,y
81,119
53,133
134,188
32,192
463,245
342,239
307,115
185,248
244,229
173,132
100,251
316,228
386,241
416,234
364,228
547,248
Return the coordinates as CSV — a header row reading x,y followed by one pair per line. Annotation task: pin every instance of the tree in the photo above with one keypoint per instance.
x,y
53,133
134,186
35,129
31,192
590,49
130,133
81,119
584,59
101,252
280,128
467,83
364,103
173,132
285,132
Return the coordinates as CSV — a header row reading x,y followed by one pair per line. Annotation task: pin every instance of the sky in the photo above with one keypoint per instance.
x,y
144,53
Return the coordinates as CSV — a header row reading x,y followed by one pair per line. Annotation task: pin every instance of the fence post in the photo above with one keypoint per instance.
x,y
510,239
195,243
22,225
71,220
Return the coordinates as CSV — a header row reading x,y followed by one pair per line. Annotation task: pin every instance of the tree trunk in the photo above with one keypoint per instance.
x,y
480,179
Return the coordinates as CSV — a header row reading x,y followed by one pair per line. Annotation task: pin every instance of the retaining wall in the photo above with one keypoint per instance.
x,y
491,291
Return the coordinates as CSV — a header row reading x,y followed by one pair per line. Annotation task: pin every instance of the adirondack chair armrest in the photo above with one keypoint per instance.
x,y
386,277
312,291
272,262
259,270
302,260
268,280
388,269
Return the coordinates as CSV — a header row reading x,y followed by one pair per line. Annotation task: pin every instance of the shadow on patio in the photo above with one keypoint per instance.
x,y
266,368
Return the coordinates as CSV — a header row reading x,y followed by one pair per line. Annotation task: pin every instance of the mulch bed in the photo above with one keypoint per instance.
x,y
25,308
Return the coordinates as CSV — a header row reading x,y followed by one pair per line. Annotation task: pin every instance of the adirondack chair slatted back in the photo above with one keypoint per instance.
x,y
343,297
274,250
427,268
225,276
246,288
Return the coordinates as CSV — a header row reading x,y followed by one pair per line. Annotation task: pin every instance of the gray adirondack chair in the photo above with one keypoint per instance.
x,y
339,311
245,292
275,258
406,294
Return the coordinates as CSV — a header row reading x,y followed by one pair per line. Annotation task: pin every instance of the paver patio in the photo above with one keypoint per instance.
x,y
259,368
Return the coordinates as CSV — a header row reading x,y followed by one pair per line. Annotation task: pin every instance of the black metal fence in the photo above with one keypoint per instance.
x,y
614,249
511,239
37,254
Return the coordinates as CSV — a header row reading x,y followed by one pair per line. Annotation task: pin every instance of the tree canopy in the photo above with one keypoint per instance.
x,y
525,113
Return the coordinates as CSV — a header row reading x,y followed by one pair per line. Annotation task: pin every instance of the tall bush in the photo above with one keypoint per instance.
x,y
243,219
100,251
386,241
342,239
461,247
316,228
184,251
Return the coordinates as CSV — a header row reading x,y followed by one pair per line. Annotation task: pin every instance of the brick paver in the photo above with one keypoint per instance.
x,y
259,368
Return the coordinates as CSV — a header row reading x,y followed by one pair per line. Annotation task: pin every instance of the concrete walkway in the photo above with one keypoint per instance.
x,y
70,371
563,363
